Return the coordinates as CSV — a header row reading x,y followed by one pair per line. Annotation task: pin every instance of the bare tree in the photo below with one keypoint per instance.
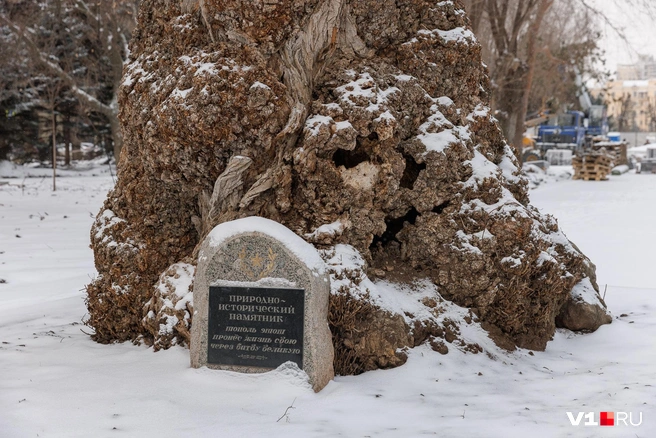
x,y
515,70
626,117
531,48
569,46
511,28
651,114
107,30
51,98
638,7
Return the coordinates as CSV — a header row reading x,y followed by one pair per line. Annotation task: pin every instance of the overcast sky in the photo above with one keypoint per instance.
x,y
640,31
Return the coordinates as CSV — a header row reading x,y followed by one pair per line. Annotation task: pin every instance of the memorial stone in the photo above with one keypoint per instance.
x,y
260,300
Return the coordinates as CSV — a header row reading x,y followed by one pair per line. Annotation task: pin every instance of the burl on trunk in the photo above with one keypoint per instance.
x,y
362,126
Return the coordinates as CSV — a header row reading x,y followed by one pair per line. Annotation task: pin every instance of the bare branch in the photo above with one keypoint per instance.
x,y
44,60
604,18
286,411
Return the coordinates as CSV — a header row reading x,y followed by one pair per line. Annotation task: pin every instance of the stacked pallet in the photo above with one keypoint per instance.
x,y
616,150
592,166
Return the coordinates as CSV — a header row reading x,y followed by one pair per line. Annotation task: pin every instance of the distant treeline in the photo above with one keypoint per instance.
x,y
61,66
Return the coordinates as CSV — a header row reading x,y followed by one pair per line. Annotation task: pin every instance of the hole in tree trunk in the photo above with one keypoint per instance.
x,y
350,159
411,171
393,226
440,208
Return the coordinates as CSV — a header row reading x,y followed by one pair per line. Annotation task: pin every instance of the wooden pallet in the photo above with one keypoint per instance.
x,y
592,166
616,151
590,177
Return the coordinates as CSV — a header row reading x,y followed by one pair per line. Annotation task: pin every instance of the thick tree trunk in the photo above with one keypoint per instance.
x,y
361,126
475,10
515,38
511,77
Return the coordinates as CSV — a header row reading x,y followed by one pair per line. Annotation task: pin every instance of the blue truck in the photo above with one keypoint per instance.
x,y
571,130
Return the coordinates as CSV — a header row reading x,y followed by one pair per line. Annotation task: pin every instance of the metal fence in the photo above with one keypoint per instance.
x,y
637,138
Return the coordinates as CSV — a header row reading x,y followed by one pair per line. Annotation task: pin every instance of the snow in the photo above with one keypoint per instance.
x,y
512,261
482,168
643,84
445,101
446,134
331,106
258,84
584,291
332,229
403,78
537,176
459,35
91,168
313,124
181,94
181,284
343,257
465,242
363,91
610,221
109,219
56,382
262,282
343,125
508,168
438,141
208,68
133,70
404,300
384,116
300,248
407,300
639,151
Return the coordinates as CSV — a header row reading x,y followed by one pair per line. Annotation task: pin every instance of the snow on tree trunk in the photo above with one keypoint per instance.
x,y
363,126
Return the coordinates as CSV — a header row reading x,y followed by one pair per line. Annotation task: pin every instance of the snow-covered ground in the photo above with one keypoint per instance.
x,y
56,382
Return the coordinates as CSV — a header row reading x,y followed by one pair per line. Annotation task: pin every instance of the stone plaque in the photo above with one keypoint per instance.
x,y
255,262
255,326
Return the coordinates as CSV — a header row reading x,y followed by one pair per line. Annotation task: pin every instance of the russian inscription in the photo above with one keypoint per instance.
x,y
255,326
261,299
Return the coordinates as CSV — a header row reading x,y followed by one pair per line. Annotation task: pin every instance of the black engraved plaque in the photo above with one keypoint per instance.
x,y
255,326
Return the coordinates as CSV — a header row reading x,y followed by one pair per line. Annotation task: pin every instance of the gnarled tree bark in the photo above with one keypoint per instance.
x,y
363,127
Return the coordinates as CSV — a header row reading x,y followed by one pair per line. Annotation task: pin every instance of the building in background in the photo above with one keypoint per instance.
x,y
631,98
642,70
